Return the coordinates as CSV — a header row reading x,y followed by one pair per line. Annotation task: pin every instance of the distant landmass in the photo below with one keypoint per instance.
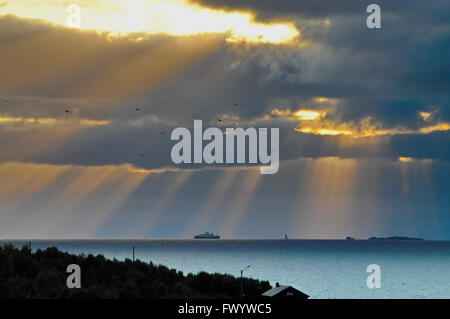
x,y
394,238
387,238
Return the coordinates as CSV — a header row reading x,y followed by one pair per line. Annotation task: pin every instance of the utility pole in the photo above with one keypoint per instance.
x,y
242,282
133,252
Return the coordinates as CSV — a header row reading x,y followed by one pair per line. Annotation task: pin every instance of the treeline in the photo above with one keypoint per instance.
x,y
42,274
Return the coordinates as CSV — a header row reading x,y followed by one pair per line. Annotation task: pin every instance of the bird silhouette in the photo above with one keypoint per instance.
x,y
138,109
68,111
142,155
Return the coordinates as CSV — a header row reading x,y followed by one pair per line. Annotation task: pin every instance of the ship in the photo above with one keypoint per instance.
x,y
207,235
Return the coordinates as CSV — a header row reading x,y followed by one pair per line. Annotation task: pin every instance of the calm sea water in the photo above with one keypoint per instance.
x,y
320,268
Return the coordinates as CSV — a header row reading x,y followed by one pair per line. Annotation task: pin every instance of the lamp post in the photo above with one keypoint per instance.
x,y
242,282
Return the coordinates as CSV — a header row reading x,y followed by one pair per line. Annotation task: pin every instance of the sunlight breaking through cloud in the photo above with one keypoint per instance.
x,y
170,17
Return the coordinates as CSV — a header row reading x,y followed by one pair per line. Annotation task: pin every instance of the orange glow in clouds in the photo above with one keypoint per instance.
x,y
315,122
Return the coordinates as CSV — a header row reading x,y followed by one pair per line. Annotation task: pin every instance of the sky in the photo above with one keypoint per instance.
x,y
363,116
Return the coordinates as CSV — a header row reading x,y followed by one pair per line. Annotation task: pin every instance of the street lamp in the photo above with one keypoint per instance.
x,y
242,282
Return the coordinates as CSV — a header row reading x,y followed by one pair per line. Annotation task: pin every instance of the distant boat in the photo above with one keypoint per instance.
x,y
285,237
207,235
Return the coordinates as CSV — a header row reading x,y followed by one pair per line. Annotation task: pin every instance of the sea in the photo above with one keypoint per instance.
x,y
319,268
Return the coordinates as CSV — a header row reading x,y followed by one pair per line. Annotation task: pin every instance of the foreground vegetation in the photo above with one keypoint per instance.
x,y
42,274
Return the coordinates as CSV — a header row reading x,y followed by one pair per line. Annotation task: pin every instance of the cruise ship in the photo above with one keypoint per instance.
x,y
207,235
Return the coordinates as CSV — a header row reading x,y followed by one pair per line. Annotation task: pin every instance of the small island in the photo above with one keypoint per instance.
x,y
395,238
387,238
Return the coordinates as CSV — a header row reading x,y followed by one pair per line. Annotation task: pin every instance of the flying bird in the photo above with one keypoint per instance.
x,y
142,155
138,109
68,111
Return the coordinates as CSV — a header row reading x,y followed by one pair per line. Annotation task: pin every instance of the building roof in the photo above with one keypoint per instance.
x,y
275,290
280,288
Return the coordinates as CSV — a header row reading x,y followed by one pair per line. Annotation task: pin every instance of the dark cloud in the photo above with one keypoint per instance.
x,y
389,74
74,69
432,11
